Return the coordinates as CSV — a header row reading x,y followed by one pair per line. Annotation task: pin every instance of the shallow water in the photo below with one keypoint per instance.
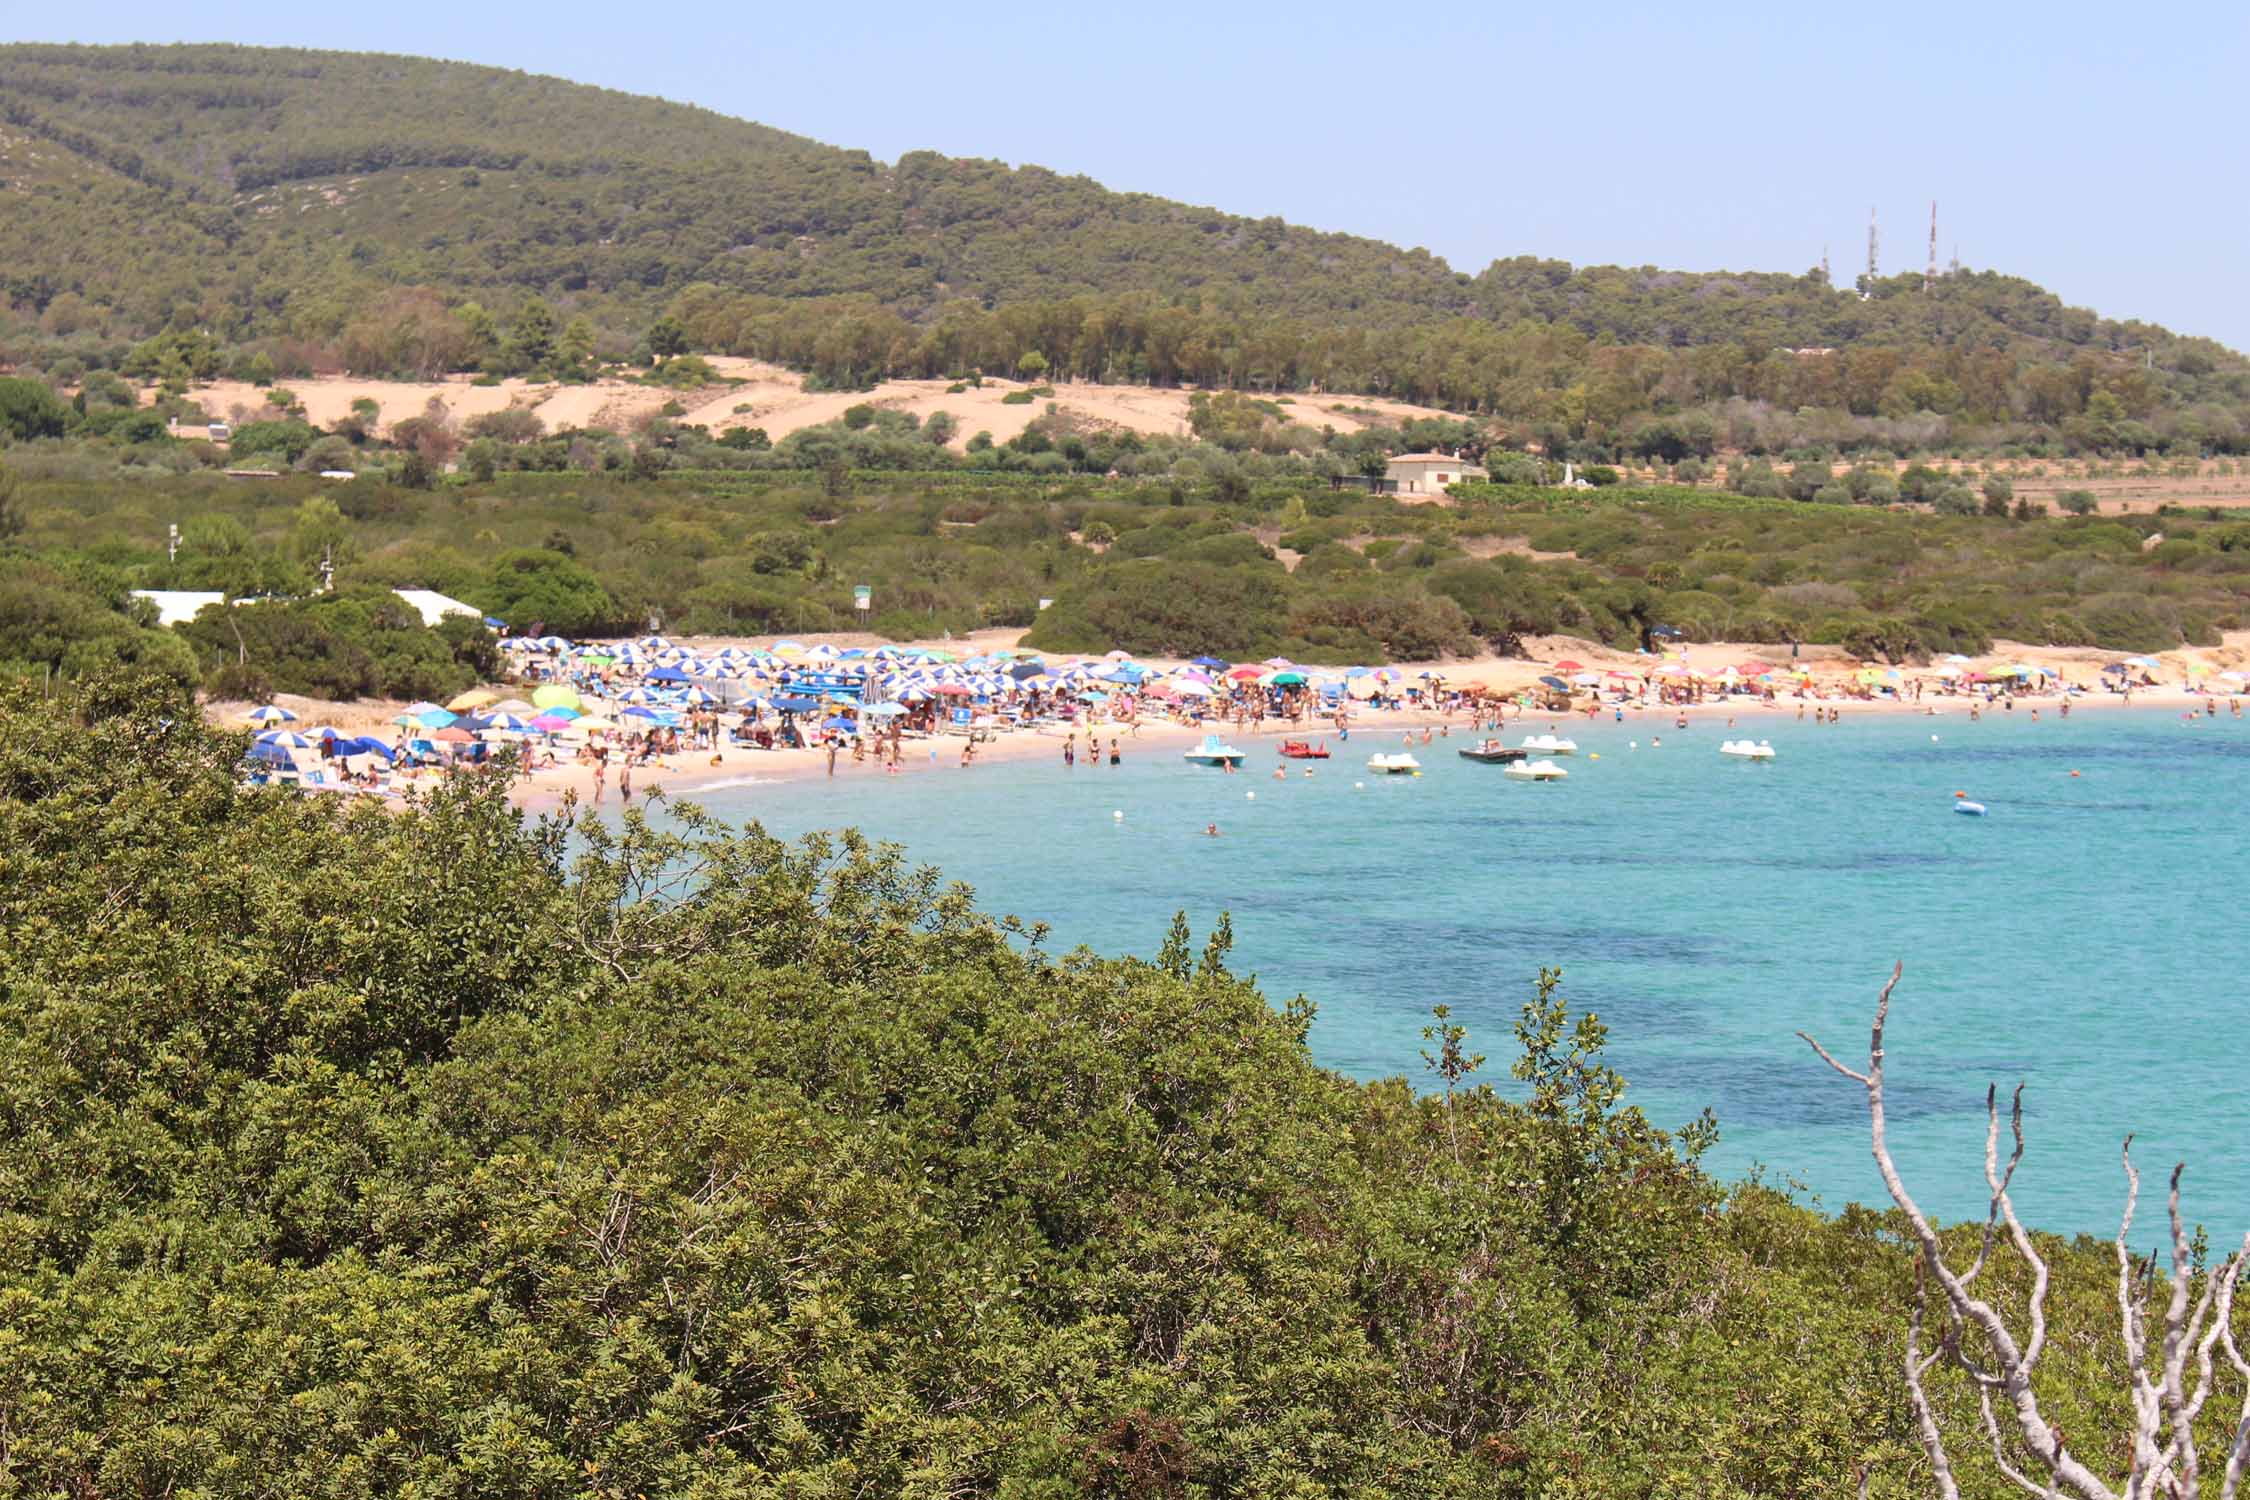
x,y
2081,939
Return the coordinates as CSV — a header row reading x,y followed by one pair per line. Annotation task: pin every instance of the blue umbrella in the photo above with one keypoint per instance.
x,y
272,713
840,722
285,739
1207,662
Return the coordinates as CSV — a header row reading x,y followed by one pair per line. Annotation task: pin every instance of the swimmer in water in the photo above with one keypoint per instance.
x,y
1210,830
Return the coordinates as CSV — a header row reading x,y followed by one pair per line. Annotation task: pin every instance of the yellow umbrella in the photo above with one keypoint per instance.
x,y
474,698
593,722
556,695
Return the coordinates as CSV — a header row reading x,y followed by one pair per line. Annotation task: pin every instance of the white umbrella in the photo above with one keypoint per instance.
x,y
272,713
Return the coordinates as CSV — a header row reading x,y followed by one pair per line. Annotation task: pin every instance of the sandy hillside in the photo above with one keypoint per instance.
x,y
770,397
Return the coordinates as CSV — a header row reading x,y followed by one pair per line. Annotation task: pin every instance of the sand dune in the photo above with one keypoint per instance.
x,y
767,396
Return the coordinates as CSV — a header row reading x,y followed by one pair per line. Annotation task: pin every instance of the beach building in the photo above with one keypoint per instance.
x,y
1427,474
434,606
178,606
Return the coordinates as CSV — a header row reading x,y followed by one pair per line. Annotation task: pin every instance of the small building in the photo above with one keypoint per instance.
x,y
1427,474
434,606
177,606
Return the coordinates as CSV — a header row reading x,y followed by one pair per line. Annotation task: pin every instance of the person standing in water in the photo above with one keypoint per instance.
x,y
1070,750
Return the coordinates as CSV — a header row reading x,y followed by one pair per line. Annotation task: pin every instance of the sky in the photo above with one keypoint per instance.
x,y
2097,150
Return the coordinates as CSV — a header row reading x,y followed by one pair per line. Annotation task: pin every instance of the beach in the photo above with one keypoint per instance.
x,y
1452,697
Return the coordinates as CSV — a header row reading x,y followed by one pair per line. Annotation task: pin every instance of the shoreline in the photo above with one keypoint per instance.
x,y
682,781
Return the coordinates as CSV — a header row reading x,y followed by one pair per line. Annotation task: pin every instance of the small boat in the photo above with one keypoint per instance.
x,y
1747,749
1493,753
1213,751
1968,809
1550,744
1393,765
1300,750
1534,770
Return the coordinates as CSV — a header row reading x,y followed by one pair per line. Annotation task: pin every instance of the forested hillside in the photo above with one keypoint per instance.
x,y
369,1153
181,212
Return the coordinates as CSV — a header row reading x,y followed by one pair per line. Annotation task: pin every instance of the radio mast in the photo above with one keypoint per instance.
x,y
1874,242
1929,276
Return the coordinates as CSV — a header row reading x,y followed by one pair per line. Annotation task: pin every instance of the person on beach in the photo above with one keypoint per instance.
x,y
1070,750
1113,755
625,785
831,755
1210,830
601,774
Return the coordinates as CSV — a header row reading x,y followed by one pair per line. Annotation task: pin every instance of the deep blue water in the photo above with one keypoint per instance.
x,y
2084,938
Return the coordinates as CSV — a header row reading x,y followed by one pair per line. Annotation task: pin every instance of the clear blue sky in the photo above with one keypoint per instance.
x,y
2097,149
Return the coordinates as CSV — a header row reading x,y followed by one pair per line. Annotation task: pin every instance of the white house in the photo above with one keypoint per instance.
x,y
1427,474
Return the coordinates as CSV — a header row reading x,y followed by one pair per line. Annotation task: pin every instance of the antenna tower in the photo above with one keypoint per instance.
x,y
1929,276
1824,276
1874,242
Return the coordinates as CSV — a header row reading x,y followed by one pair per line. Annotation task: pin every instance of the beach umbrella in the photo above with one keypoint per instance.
x,y
508,722
284,739
551,723
840,722
883,710
1555,682
454,735
1588,679
636,712
595,724
271,713
1569,666
1024,671
667,674
1283,679
434,718
474,698
1208,663
556,695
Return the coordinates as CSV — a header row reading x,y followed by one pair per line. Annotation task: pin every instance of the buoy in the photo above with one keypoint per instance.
x,y
1632,744
1933,739
1119,815
2074,773
1597,755
1359,786
1253,796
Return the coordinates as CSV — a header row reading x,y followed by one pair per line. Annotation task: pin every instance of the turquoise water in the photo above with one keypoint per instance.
x,y
2083,938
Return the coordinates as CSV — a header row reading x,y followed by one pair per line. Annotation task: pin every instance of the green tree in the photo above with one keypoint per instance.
x,y
29,410
667,338
531,338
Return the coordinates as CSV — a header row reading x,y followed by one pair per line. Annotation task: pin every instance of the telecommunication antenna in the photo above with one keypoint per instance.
x,y
1929,276
1874,243
1824,276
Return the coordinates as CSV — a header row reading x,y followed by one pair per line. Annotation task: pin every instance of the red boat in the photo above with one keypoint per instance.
x,y
1300,750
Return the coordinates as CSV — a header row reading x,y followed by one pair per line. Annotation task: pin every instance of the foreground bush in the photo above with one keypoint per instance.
x,y
442,1153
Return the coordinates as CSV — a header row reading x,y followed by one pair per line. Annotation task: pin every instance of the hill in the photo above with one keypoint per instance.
x,y
280,175
293,212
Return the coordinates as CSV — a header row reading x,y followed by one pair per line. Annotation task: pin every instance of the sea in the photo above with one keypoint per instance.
x,y
2083,939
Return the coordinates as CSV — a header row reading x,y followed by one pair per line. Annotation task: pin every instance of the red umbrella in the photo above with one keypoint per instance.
x,y
454,736
1569,666
951,690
